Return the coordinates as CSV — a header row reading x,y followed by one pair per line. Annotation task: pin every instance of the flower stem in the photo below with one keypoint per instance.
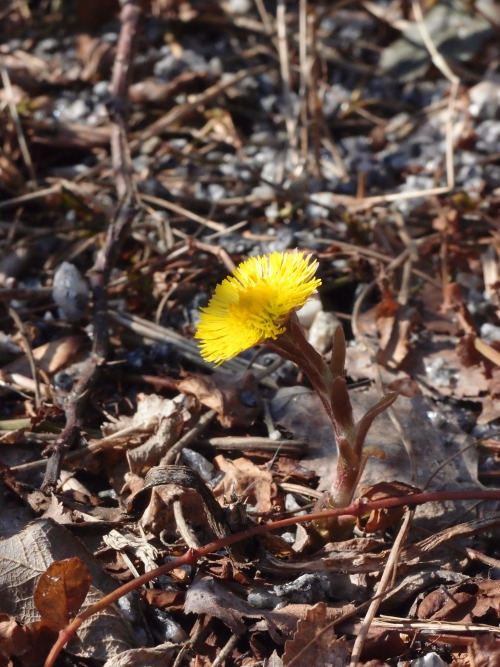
x,y
331,388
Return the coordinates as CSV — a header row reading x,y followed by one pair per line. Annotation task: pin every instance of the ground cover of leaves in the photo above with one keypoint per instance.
x,y
145,151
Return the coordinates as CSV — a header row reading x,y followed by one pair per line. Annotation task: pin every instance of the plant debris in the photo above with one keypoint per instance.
x,y
147,149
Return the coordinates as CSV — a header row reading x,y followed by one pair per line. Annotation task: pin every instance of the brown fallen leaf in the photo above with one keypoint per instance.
x,y
27,644
25,555
50,358
158,656
151,408
253,484
150,453
208,596
394,324
12,637
384,518
485,651
61,590
163,599
236,401
152,91
314,642
477,601
11,178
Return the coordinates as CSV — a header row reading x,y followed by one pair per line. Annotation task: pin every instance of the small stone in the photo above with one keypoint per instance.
x,y
322,330
70,291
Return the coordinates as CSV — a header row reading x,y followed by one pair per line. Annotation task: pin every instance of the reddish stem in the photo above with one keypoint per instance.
x,y
191,556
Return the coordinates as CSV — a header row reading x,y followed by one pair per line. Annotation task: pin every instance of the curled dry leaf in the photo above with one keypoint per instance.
x,y
150,410
236,401
150,453
50,358
477,601
159,656
61,590
394,328
387,517
27,644
12,637
252,484
208,596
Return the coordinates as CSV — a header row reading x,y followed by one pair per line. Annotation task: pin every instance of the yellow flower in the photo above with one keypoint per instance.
x,y
253,304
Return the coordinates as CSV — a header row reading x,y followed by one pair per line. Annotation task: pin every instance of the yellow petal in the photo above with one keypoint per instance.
x,y
254,303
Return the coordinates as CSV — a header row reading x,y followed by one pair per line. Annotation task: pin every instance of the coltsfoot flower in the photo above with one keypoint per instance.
x,y
254,303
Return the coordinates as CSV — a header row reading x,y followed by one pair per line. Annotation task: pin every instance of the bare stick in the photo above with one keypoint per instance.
x,y
29,354
390,568
17,122
120,153
443,67
108,255
291,122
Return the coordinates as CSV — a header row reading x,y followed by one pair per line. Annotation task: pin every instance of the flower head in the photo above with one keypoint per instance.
x,y
253,304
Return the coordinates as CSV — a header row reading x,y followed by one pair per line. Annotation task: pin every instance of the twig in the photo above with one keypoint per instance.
x,y
251,443
182,111
29,354
438,627
25,293
120,154
30,196
107,257
265,18
17,122
203,423
185,530
389,570
443,67
225,651
290,120
180,210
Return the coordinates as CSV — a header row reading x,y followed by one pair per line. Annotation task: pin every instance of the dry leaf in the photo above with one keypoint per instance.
x,y
26,555
159,656
251,483
208,596
485,651
314,643
12,636
432,448
471,601
50,358
383,518
151,409
394,324
61,590
163,599
150,453
27,644
236,401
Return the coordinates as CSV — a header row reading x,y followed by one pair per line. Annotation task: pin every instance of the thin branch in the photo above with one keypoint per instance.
x,y
29,354
107,257
389,570
17,122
